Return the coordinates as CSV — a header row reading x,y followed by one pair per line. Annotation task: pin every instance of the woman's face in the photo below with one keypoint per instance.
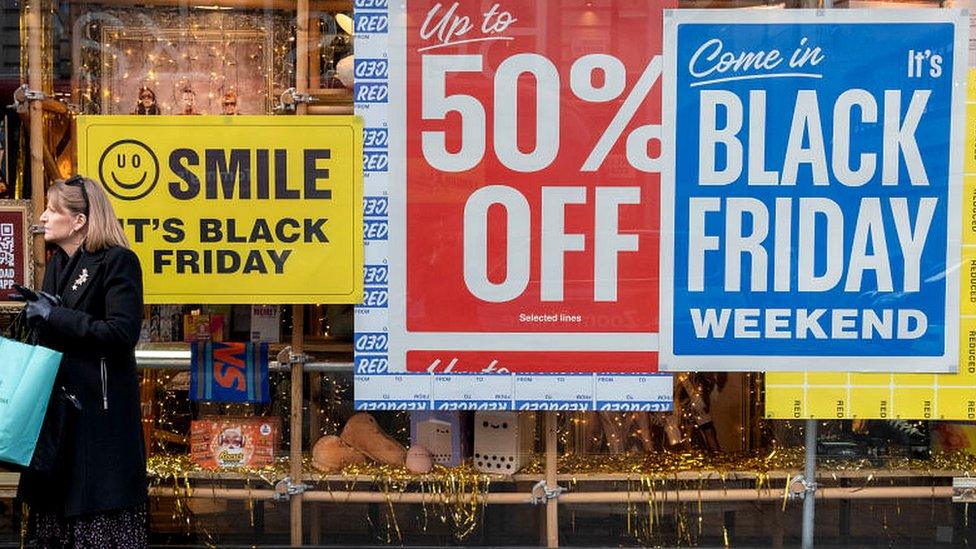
x,y
146,98
188,99
60,225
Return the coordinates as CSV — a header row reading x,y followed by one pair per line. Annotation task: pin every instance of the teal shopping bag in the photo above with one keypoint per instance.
x,y
27,375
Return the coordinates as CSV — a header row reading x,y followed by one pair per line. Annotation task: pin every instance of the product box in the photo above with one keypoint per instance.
x,y
447,435
503,441
203,327
230,442
165,323
219,316
265,323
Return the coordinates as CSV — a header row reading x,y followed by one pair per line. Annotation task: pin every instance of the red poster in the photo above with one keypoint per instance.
x,y
532,184
13,250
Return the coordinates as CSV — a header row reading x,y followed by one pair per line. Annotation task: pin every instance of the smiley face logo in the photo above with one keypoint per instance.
x,y
128,169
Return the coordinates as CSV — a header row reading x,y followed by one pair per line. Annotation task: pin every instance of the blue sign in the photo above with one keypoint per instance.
x,y
375,297
371,342
812,208
388,404
376,274
370,4
375,161
631,406
371,92
366,69
376,206
371,364
376,138
371,22
375,229
473,405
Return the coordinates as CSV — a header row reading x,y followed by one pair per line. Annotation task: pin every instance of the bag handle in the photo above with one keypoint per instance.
x,y
21,330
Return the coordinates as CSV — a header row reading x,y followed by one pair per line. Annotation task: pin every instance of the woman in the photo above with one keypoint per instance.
x,y
147,102
91,310
188,98
229,103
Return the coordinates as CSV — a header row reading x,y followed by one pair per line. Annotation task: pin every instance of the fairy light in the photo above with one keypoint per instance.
x,y
228,36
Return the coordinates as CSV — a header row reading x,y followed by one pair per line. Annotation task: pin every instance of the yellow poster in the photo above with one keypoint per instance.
x,y
904,396
235,209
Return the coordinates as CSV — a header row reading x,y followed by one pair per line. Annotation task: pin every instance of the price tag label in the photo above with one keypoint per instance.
x,y
473,392
393,392
637,393
553,392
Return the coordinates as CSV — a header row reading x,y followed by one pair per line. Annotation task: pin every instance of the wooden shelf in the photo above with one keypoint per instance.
x,y
331,96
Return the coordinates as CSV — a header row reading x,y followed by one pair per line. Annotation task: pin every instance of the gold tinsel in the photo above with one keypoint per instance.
x,y
667,464
457,494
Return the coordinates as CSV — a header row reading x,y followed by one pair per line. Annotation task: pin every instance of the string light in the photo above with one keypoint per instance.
x,y
167,58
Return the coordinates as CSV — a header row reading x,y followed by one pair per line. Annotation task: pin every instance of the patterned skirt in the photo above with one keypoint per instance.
x,y
120,529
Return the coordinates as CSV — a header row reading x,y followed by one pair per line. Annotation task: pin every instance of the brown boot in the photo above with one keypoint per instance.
x,y
364,434
330,454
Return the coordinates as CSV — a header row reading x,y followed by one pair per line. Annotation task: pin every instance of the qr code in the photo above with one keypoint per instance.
x,y
7,244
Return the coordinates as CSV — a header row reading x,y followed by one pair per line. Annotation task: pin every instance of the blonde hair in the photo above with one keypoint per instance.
x,y
103,229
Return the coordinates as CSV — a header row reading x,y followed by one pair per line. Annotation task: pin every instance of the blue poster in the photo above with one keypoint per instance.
x,y
811,207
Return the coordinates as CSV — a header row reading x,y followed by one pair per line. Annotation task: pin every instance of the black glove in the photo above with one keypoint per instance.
x,y
40,308
23,294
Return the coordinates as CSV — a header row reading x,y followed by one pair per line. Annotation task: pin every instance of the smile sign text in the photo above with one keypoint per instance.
x,y
245,209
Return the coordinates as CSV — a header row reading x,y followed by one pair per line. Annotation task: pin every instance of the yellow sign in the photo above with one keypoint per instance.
x,y
235,209
902,396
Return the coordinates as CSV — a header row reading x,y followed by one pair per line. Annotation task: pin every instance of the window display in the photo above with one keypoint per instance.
x,y
190,62
262,418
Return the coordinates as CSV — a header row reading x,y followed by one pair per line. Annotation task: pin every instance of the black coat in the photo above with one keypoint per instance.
x,y
103,460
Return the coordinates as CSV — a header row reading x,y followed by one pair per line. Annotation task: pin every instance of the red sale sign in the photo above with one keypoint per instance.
x,y
16,266
531,207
